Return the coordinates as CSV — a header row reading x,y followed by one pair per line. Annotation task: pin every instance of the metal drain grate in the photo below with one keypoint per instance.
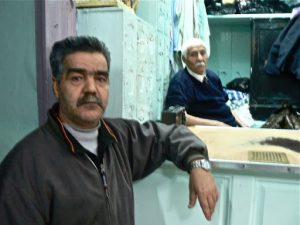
x,y
272,157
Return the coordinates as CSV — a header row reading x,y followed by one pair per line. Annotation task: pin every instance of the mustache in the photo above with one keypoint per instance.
x,y
86,99
200,64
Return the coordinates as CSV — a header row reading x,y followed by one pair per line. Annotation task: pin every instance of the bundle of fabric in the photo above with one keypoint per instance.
x,y
252,7
219,7
239,102
286,117
239,84
237,98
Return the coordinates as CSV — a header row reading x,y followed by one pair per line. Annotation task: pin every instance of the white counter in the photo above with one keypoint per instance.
x,y
251,193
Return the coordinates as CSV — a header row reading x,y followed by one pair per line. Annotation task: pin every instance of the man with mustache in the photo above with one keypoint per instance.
x,y
78,168
200,90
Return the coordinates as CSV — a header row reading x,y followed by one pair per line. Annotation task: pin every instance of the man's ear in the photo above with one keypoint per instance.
x,y
183,59
55,86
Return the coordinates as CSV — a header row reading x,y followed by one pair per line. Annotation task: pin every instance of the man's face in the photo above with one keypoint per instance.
x,y
83,89
196,59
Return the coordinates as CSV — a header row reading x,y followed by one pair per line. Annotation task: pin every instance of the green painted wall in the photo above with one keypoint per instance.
x,y
230,48
18,93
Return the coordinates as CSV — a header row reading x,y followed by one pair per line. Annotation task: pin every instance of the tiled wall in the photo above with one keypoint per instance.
x,y
133,76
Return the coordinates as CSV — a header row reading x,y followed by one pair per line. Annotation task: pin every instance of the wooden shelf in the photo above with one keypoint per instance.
x,y
243,19
250,16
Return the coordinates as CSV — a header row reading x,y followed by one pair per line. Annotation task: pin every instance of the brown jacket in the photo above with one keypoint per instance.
x,y
49,178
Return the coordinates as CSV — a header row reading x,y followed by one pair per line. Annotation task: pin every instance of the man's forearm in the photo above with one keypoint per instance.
x,y
193,120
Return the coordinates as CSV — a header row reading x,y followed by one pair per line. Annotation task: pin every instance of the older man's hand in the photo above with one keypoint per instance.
x,y
202,187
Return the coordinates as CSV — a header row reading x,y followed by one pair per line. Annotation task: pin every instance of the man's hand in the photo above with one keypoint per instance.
x,y
202,186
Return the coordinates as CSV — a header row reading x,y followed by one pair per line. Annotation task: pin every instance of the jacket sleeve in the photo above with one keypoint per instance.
x,y
149,144
17,203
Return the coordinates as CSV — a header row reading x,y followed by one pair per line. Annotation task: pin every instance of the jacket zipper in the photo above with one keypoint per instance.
x,y
104,181
103,176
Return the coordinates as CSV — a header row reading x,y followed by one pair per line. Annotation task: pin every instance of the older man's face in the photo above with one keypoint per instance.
x,y
196,59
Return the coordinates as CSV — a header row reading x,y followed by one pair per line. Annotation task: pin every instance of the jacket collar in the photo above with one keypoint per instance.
x,y
105,134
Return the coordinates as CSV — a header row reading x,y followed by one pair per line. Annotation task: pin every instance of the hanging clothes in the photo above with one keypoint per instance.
x,y
189,21
187,15
204,31
284,56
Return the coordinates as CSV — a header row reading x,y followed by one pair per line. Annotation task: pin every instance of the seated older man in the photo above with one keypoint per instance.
x,y
200,90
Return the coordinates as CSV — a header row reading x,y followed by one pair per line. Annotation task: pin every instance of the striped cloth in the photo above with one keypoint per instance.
x,y
236,98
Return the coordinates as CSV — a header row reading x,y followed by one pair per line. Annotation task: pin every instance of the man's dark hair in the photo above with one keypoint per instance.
x,y
75,44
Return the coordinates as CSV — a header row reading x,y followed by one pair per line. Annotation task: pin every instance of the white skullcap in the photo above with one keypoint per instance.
x,y
191,43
